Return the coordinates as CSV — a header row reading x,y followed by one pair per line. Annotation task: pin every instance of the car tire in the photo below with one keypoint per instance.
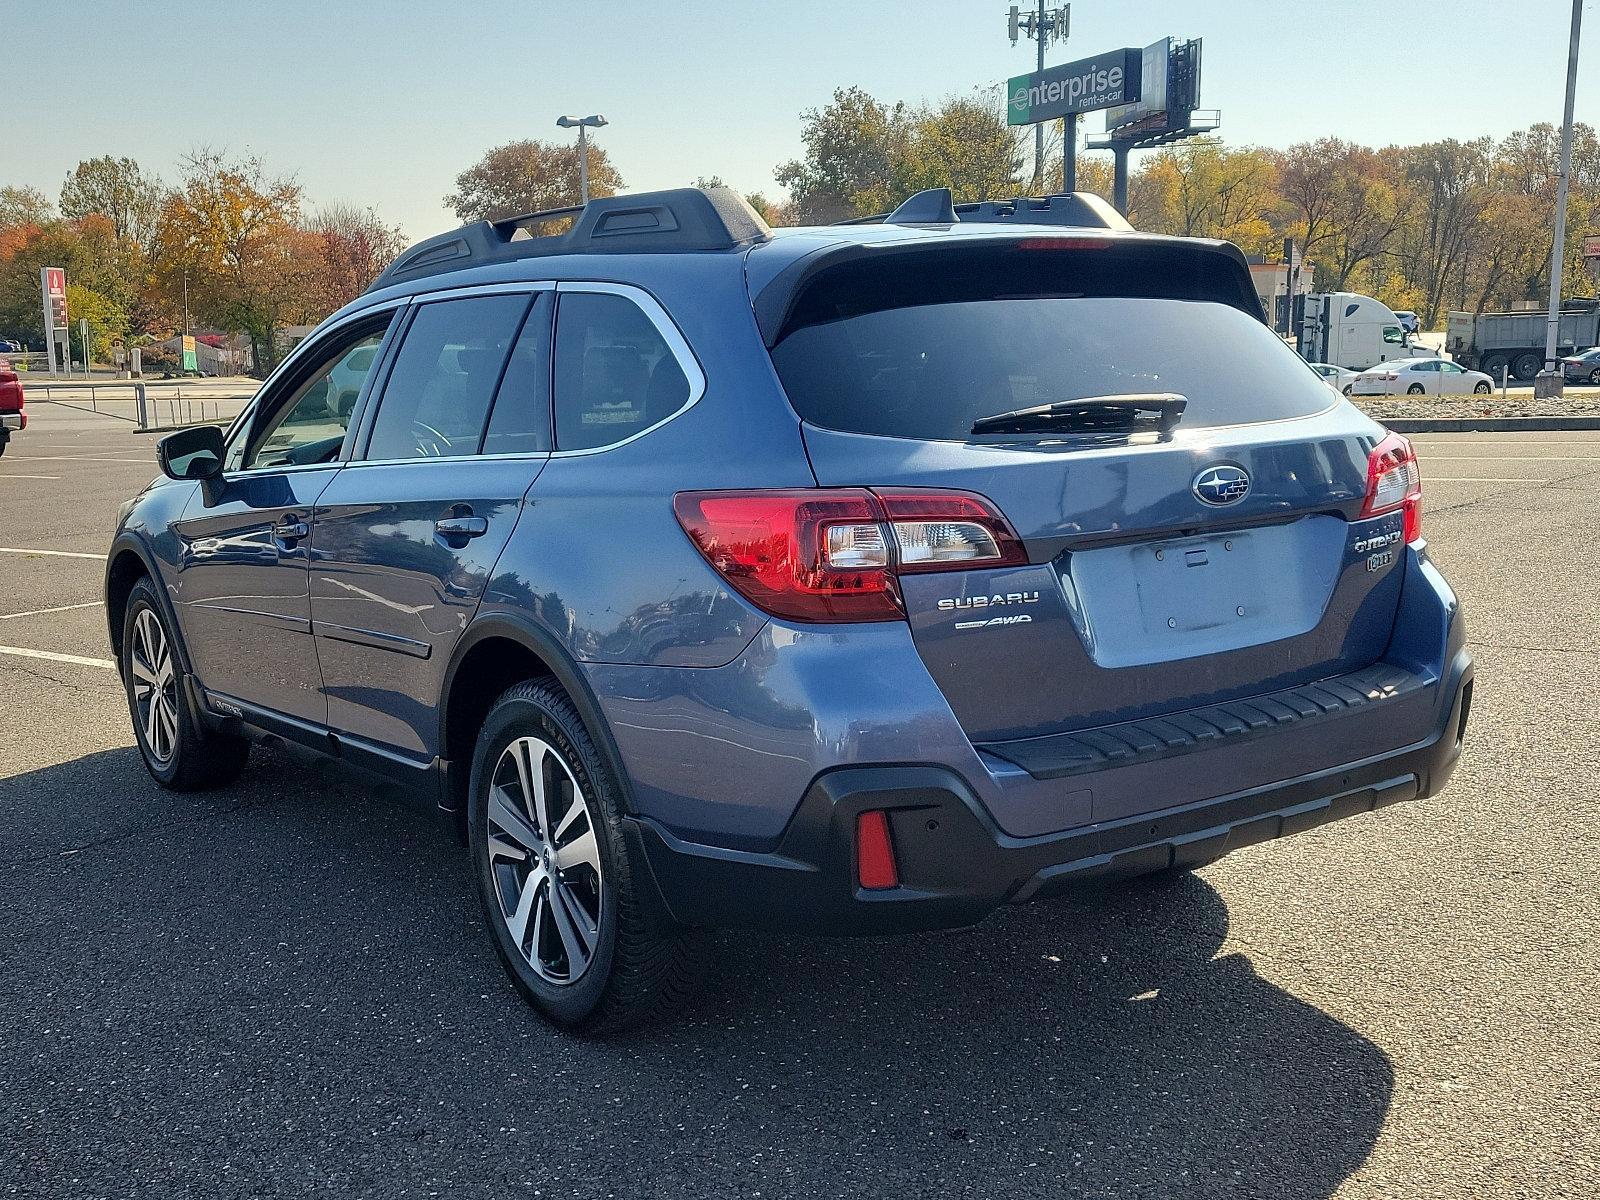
x,y
4,442
1348,388
1482,389
1416,389
180,753
639,964
1594,376
1492,364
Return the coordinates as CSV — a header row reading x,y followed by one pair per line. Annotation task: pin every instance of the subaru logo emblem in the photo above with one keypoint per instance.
x,y
1222,485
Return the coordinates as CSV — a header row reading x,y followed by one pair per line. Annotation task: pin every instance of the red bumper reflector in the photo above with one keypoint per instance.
x,y
875,867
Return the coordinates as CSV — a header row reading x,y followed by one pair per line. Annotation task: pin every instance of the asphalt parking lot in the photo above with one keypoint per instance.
x,y
282,988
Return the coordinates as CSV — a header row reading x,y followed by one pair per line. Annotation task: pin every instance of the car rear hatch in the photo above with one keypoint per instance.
x,y
1166,570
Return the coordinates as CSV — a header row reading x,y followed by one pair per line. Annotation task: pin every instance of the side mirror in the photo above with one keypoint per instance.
x,y
191,453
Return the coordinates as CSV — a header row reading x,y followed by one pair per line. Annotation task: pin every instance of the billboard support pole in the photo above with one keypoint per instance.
x,y
1119,177
1069,152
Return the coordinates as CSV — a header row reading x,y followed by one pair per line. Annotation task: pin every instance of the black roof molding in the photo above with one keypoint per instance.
x,y
1083,210
678,220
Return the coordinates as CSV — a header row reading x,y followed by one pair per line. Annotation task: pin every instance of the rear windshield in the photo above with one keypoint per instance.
x,y
922,351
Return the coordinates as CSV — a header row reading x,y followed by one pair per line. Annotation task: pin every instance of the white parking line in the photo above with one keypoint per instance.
x,y
39,612
1507,458
1477,479
80,660
8,475
50,553
143,462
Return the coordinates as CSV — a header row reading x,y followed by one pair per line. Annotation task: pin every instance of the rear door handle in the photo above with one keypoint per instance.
x,y
291,529
461,527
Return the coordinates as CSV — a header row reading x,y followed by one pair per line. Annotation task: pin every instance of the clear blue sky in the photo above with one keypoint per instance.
x,y
383,102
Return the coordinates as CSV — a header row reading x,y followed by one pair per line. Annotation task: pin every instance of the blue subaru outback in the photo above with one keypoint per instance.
x,y
855,579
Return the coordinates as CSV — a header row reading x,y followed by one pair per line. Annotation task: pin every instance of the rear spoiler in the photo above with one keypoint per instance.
x,y
1222,262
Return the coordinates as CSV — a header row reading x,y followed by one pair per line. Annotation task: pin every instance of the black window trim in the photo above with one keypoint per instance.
x,y
286,380
677,345
372,400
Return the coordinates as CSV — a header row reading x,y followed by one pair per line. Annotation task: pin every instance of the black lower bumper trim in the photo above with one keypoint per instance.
x,y
956,865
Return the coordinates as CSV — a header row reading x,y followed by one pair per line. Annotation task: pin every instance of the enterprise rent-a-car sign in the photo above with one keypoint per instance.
x,y
1083,86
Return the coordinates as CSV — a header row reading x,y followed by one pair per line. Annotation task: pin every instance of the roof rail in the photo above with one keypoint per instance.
x,y
680,219
1077,209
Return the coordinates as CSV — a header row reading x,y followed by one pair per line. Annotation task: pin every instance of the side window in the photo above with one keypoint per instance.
x,y
310,425
615,374
1394,335
520,420
437,399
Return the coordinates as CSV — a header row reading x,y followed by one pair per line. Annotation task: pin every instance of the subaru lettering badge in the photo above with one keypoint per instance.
x,y
1222,485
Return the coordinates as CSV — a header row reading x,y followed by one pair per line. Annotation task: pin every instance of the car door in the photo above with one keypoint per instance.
x,y
241,584
408,533
1452,380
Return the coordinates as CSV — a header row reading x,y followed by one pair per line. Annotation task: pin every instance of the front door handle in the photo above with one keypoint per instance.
x,y
291,529
451,528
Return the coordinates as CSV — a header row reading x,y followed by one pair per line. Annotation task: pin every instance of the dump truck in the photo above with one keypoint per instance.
x,y
1492,342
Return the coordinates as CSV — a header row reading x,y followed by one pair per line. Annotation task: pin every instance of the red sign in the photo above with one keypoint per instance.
x,y
55,282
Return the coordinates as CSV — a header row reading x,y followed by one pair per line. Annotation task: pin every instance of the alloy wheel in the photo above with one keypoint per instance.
x,y
155,686
544,859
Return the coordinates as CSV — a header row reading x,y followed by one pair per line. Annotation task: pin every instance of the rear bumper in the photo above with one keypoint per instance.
x,y
956,865
13,421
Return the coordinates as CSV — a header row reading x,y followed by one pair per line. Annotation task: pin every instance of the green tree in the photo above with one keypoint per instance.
x,y
118,189
107,320
24,206
853,147
529,176
963,144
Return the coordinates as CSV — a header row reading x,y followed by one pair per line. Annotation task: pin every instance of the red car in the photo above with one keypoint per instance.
x,y
12,417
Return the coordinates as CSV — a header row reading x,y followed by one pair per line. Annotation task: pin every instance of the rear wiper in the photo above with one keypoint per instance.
x,y
1091,414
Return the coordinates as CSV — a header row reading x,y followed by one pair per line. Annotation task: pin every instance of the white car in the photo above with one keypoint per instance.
x,y
1339,378
1419,377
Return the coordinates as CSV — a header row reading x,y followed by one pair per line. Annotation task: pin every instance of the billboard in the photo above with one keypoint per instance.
x,y
1076,87
1591,245
1155,61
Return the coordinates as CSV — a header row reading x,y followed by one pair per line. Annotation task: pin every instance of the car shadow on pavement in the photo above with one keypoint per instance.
x,y
283,986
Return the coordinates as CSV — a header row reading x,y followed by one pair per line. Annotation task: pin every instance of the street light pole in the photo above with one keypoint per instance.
x,y
1553,377
583,125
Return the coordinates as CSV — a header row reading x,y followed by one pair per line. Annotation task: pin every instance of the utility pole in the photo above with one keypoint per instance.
x,y
1038,130
1041,26
1551,379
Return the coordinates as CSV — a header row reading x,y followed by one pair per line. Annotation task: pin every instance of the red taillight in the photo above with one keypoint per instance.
x,y
832,554
1394,480
875,866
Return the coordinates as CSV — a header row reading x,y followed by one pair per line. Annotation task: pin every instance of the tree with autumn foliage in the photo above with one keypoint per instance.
x,y
529,176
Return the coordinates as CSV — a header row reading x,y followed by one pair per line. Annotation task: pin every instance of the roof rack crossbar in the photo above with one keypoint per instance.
x,y
680,219
1083,210
509,226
